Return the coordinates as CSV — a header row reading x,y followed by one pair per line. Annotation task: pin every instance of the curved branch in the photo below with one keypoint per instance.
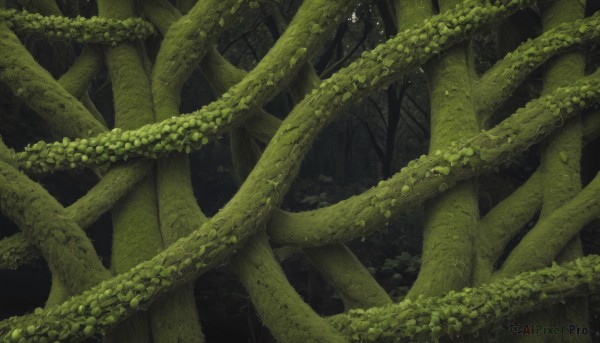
x,y
502,223
460,313
87,65
268,182
497,83
374,69
17,250
28,80
66,248
281,309
351,280
365,213
545,240
79,29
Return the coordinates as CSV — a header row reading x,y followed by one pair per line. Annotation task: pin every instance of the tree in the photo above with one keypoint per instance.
x,y
162,240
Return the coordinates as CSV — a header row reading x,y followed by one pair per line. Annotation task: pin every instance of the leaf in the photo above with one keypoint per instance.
x,y
563,156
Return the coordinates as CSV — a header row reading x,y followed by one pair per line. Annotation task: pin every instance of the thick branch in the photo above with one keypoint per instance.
x,y
502,223
281,309
496,85
269,181
375,69
66,248
28,80
459,313
544,241
80,29
365,213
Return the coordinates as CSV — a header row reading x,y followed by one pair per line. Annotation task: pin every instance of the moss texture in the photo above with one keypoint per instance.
x,y
80,29
458,313
37,88
137,235
198,245
16,249
544,242
451,218
498,82
276,300
352,281
430,175
187,132
204,248
337,264
560,168
502,224
68,251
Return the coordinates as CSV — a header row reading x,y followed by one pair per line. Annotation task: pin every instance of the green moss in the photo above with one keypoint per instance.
x,y
61,241
517,65
377,73
275,299
454,313
245,212
27,79
80,29
560,165
292,229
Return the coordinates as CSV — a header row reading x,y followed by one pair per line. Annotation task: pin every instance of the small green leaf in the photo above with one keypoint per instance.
x,y
563,156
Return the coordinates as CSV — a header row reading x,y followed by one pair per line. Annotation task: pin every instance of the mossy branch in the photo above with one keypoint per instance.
x,y
186,41
506,219
352,281
79,29
161,13
21,249
550,235
280,307
373,70
75,81
430,175
17,250
222,75
467,311
450,219
247,210
38,90
502,223
136,232
560,167
183,47
338,265
498,82
66,248
87,65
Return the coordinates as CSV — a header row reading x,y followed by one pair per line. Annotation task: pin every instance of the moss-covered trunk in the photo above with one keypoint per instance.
x,y
162,240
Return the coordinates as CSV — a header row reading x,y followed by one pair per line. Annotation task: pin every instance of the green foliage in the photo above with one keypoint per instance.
x,y
251,220
466,311
80,29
